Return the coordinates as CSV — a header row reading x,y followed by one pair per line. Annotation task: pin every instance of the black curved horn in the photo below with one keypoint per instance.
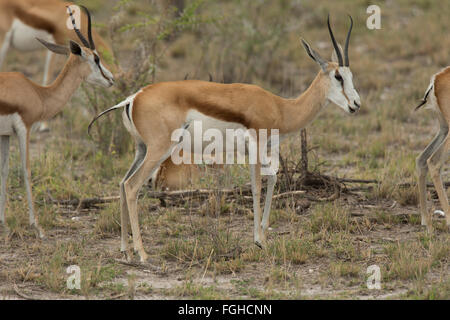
x,y
335,45
77,31
91,40
347,42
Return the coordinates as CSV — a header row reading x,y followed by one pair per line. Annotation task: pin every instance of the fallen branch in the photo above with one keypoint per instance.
x,y
344,180
245,193
195,193
22,295
86,203
403,185
288,194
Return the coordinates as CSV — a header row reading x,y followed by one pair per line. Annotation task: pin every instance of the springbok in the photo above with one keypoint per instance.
x,y
152,115
437,98
22,21
22,103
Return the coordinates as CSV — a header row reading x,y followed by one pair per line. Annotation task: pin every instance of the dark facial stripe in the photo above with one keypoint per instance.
x,y
341,80
97,62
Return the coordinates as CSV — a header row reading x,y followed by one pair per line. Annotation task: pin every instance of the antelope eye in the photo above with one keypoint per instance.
x,y
96,59
338,77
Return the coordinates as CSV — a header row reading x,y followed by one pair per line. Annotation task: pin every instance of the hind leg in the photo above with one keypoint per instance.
x,y
156,154
435,164
422,170
141,151
4,167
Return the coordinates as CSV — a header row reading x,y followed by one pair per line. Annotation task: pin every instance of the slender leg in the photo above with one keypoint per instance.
x,y
24,138
256,191
141,151
435,163
422,170
133,184
48,61
271,181
5,47
43,126
4,167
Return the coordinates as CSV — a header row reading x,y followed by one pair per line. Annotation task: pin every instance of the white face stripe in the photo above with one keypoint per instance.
x,y
99,74
342,92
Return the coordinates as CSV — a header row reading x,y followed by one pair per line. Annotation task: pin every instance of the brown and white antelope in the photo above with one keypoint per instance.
x,y
437,98
152,114
22,103
22,21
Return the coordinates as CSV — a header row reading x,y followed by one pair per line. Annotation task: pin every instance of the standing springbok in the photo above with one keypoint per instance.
x,y
22,21
157,110
23,103
437,98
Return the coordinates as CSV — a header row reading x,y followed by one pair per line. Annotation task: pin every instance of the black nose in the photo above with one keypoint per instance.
x,y
357,104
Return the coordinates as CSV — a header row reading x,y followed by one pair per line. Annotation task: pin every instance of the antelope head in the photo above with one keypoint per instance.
x,y
95,72
341,90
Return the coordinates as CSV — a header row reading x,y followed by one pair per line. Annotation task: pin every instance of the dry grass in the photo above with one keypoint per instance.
x,y
322,251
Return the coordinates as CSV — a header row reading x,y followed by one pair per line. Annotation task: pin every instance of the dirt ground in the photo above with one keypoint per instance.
x,y
319,246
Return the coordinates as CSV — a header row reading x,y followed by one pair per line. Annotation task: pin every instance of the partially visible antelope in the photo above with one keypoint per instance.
x,y
22,21
155,112
22,103
437,98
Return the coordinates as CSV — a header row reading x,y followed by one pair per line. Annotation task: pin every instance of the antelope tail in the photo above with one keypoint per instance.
x,y
117,106
425,98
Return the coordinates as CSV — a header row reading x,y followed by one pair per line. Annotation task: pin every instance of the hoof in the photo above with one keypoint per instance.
x,y
143,257
128,254
39,232
259,244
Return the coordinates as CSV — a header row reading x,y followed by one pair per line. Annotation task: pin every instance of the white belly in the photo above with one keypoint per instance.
x,y
201,122
24,37
9,123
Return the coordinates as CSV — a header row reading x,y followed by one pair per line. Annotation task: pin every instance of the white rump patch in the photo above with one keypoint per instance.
x,y
128,122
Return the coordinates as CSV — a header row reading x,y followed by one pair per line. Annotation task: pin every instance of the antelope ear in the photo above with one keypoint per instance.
x,y
54,47
75,48
334,57
314,55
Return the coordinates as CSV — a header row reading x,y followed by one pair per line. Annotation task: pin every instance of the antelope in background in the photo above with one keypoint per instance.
x,y
23,103
152,115
22,21
437,98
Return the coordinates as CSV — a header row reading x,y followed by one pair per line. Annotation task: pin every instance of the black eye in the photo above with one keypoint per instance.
x,y
96,59
338,77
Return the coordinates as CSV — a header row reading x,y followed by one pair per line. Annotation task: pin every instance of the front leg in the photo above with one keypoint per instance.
x,y
4,167
6,44
24,140
256,191
271,182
